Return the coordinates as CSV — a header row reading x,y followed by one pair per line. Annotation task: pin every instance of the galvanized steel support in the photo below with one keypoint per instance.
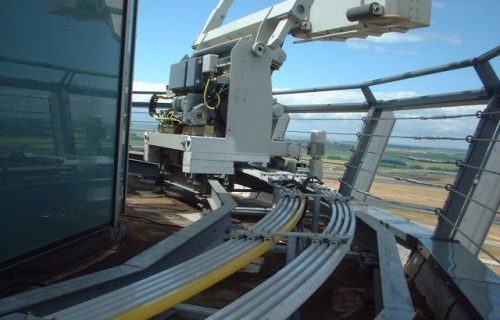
x,y
393,300
356,160
467,177
477,219
372,141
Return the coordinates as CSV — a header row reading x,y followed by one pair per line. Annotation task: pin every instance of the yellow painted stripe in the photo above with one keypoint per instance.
x,y
296,218
155,307
175,297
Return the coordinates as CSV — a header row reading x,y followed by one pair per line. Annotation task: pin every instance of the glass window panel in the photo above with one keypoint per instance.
x,y
60,63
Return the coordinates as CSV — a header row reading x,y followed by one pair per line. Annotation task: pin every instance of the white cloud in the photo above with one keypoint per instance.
x,y
146,86
406,52
454,38
358,45
380,44
380,49
454,127
438,5
395,37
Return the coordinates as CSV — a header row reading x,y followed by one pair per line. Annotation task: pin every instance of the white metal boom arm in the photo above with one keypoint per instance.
x,y
320,19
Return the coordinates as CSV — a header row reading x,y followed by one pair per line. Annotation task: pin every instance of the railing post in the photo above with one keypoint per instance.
x,y
373,156
469,180
477,219
469,174
360,171
488,76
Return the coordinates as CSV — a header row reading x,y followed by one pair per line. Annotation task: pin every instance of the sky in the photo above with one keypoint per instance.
x,y
460,29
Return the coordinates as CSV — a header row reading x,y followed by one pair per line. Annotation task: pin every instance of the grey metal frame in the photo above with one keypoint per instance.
x,y
368,145
480,144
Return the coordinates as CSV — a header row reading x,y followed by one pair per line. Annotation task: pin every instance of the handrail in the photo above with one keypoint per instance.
x,y
495,52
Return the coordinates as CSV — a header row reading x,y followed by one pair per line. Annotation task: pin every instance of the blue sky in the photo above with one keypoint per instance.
x,y
460,29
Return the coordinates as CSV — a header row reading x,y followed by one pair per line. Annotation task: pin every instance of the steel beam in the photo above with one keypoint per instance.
x,y
488,76
395,300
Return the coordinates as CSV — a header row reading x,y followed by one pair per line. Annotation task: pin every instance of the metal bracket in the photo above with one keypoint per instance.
x,y
279,236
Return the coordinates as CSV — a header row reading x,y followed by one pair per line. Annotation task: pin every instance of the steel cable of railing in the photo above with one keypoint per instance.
x,y
402,204
385,154
412,181
480,247
437,212
450,188
467,138
460,163
478,114
430,160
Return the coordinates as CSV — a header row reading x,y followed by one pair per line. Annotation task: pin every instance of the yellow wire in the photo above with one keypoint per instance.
x,y
155,307
166,97
169,117
205,94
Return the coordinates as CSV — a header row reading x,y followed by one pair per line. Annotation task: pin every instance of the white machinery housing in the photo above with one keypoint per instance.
x,y
223,112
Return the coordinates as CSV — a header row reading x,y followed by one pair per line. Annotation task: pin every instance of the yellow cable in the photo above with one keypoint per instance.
x,y
166,97
205,94
153,308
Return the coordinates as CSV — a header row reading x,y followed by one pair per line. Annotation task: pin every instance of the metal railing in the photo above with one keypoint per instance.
x,y
472,170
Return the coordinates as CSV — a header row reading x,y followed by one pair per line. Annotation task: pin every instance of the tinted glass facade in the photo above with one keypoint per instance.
x,y
61,118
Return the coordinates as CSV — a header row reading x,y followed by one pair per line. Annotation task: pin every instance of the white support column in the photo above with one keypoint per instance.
x,y
373,155
477,219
